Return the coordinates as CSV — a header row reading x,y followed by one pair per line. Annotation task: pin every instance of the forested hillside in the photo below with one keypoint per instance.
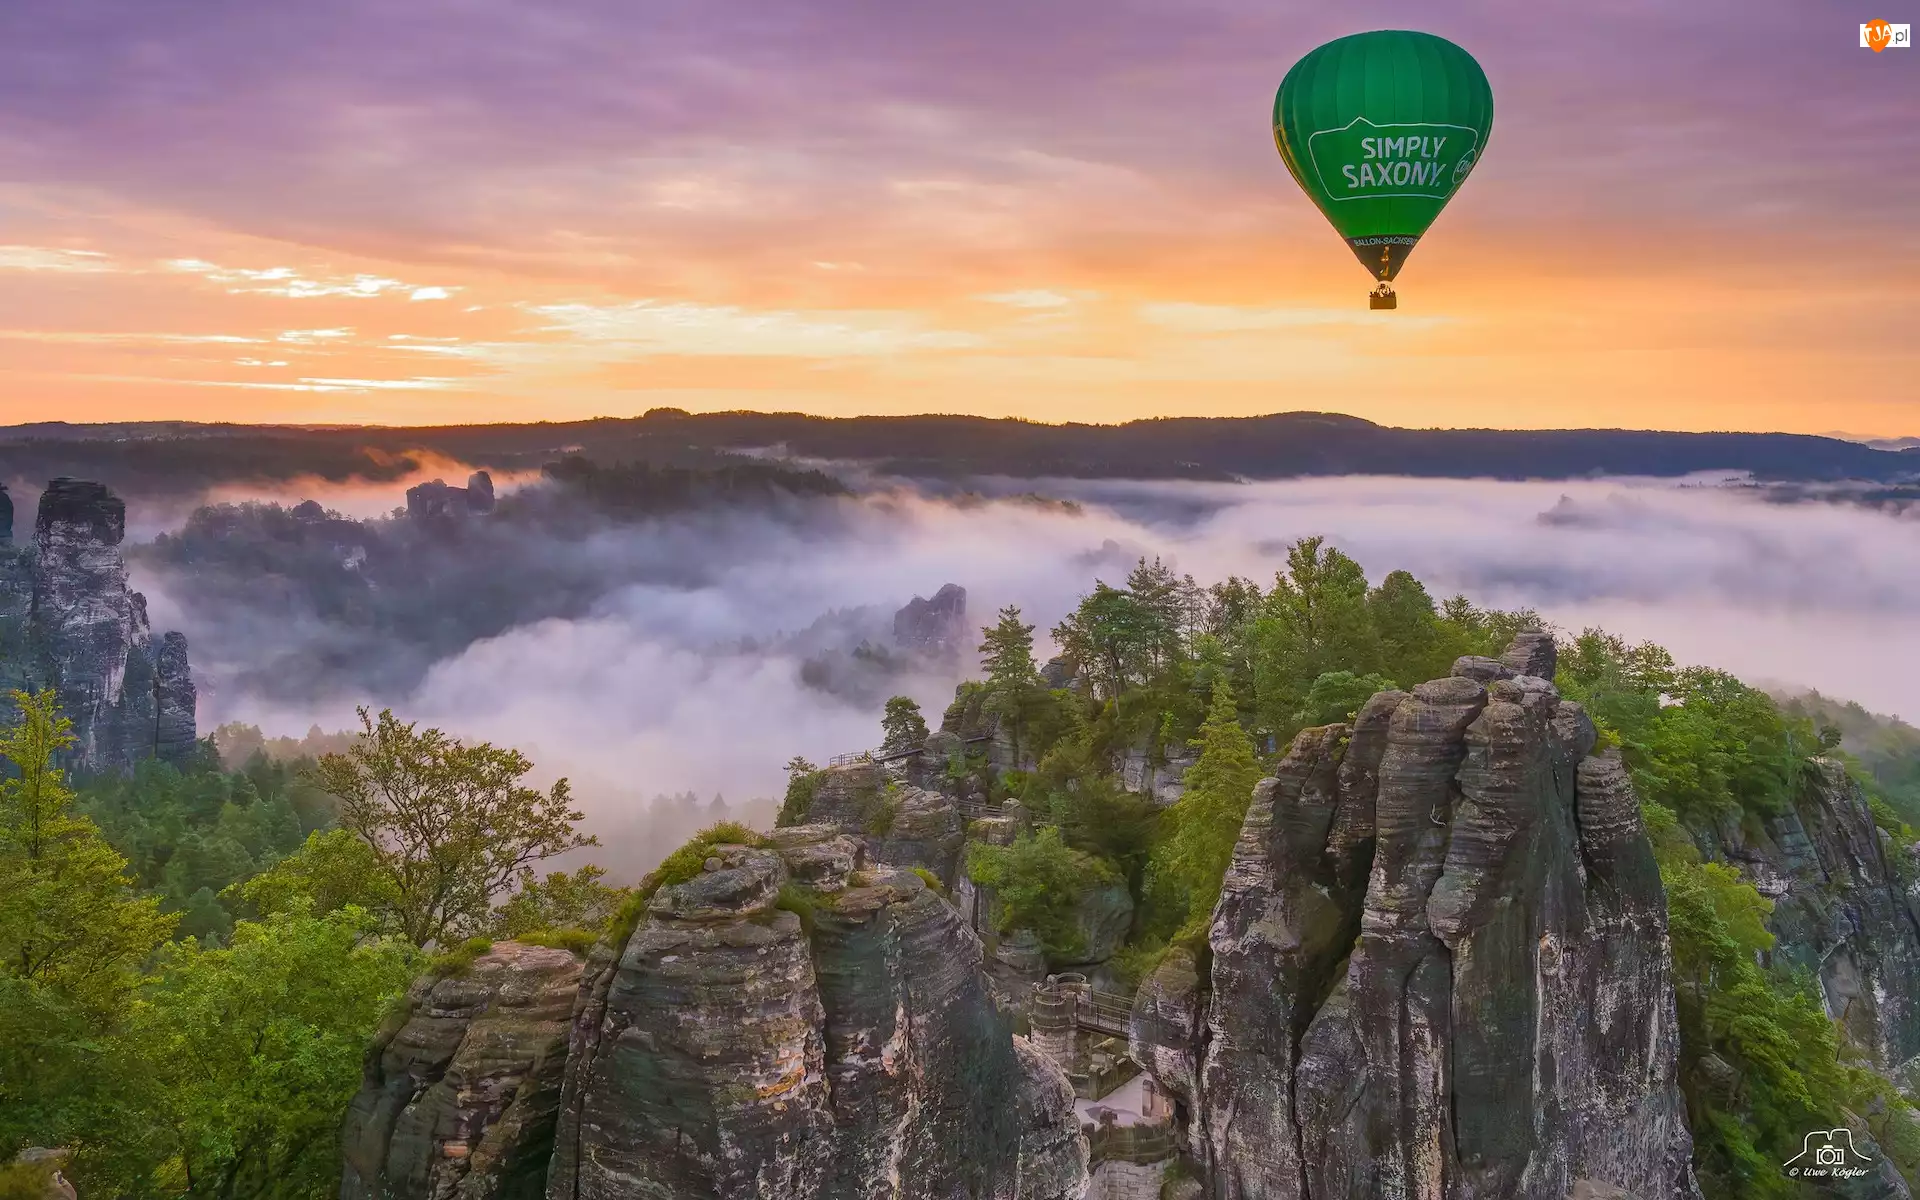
x,y
176,458
193,959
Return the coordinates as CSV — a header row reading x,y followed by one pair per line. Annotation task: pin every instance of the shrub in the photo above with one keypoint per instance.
x,y
681,866
578,941
931,880
803,783
1037,882
458,960
801,903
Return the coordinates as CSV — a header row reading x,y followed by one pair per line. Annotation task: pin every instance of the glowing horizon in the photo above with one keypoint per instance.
x,y
1684,220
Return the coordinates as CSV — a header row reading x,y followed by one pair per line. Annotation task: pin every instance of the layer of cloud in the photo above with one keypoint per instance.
x,y
598,130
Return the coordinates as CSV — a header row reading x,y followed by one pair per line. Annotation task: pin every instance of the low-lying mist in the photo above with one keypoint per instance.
x,y
675,662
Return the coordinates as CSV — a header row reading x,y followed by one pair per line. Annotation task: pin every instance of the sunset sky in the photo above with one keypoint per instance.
x,y
1690,216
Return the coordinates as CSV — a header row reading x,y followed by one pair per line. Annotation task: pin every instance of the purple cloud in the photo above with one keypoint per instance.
x,y
442,123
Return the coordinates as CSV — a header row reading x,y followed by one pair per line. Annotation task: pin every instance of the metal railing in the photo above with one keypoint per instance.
x,y
1104,1012
880,754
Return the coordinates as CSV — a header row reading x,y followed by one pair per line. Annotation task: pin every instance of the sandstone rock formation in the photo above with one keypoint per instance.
x,y
69,621
936,626
1164,782
798,1023
1439,964
437,499
460,1094
900,825
1842,911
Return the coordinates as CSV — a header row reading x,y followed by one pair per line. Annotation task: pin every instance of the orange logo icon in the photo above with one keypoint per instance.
x,y
1879,33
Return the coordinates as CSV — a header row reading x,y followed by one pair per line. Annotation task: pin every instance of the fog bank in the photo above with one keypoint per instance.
x,y
685,674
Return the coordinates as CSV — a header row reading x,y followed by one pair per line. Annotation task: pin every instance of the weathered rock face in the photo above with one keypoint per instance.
x,y
1163,782
1842,911
69,621
899,825
920,828
460,1095
1169,1012
1439,964
936,626
736,1050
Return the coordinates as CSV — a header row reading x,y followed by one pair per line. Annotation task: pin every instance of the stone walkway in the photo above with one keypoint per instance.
x,y
1126,1101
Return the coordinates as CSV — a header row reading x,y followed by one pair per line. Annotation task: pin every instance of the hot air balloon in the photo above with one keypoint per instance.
x,y
1380,129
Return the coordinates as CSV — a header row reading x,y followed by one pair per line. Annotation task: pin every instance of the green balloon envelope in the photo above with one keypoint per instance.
x,y
1381,129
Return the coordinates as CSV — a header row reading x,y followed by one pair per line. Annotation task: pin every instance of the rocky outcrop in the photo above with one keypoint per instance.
x,y
1439,964
38,1173
1169,1014
460,1092
69,621
936,626
1844,910
899,825
1053,1147
801,1022
438,500
1102,916
1161,780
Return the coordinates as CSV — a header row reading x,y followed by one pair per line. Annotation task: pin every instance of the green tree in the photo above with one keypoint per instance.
x,y
73,940
1467,629
450,824
902,727
1037,883
240,1062
803,780
559,902
1413,646
1185,871
1012,683
332,870
1316,620
1338,696
67,916
205,920
1168,609
1102,638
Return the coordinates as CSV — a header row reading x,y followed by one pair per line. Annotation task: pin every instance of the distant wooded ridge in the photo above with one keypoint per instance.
x,y
172,455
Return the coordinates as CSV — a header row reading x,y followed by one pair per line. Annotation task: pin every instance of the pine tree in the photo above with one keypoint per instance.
x,y
1316,620
1006,653
1188,866
1412,645
206,919
902,727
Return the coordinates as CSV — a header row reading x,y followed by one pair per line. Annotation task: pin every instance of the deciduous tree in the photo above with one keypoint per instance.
x,y
450,825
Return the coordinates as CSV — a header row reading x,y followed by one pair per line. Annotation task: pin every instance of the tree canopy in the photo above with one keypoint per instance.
x,y
449,826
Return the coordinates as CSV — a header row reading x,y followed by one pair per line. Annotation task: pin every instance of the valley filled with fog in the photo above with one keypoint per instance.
x,y
696,652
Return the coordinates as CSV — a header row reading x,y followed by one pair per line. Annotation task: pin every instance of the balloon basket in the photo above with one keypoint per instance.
x,y
1382,297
